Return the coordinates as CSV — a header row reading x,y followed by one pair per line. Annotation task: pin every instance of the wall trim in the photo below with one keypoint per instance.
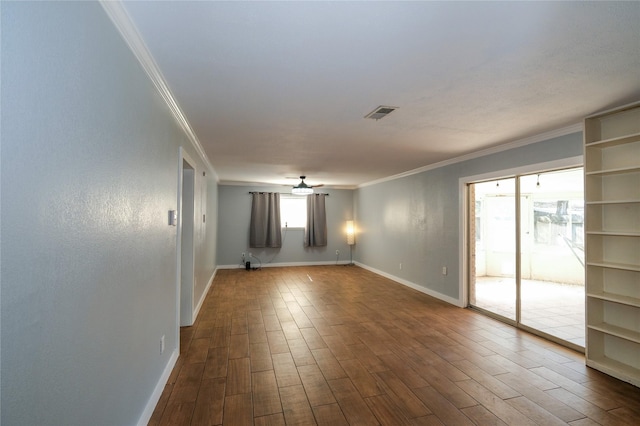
x,y
123,22
157,392
421,289
574,128
204,295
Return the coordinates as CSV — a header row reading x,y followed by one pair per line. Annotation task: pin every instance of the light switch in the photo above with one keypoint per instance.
x,y
173,217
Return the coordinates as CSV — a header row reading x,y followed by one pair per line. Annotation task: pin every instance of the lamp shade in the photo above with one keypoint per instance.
x,y
351,233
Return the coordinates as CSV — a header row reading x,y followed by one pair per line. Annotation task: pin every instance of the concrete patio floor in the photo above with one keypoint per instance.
x,y
553,308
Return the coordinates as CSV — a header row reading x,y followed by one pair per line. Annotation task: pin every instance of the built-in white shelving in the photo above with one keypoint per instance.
x,y
612,201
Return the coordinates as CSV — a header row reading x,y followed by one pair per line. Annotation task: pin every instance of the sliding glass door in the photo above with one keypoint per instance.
x,y
530,271
552,281
494,281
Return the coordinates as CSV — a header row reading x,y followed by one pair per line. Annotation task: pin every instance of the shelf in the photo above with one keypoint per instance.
x,y
621,355
614,233
613,218
612,185
612,297
612,125
612,241
617,171
614,249
612,265
620,332
629,201
621,140
616,369
615,285
618,155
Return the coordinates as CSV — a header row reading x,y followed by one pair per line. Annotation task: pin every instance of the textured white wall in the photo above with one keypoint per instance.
x,y
89,172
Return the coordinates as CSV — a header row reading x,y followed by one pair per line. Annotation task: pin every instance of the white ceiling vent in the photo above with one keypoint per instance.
x,y
380,112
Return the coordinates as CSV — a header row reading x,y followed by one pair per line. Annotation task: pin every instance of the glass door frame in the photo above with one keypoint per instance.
x,y
465,254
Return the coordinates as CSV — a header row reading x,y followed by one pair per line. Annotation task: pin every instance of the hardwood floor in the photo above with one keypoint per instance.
x,y
336,345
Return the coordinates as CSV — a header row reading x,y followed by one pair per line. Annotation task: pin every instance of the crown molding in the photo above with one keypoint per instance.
x,y
574,128
122,21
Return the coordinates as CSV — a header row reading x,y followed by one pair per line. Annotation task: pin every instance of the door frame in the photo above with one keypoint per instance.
x,y
182,158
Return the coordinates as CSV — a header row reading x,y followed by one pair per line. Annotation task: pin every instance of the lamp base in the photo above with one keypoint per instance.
x,y
350,256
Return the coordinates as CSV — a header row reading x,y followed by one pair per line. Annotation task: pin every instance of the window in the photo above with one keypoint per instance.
x,y
293,211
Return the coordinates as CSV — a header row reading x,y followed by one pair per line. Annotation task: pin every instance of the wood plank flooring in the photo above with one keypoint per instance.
x,y
337,345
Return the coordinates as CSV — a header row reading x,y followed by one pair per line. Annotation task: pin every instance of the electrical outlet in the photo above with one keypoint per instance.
x,y
337,252
242,255
162,344
401,266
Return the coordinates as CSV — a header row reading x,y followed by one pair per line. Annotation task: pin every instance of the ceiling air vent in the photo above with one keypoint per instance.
x,y
380,112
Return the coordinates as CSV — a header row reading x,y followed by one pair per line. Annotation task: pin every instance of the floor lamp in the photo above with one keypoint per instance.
x,y
351,239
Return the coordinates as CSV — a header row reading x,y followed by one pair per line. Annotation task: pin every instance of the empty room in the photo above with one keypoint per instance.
x,y
310,213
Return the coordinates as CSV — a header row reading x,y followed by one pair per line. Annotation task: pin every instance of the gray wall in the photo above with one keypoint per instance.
x,y
233,234
89,171
414,220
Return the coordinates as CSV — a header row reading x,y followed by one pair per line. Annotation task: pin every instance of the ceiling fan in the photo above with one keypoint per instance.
x,y
302,188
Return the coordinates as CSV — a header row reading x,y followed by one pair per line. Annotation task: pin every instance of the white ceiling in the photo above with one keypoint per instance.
x,y
279,89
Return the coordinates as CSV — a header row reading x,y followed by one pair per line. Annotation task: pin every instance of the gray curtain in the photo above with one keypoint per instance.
x,y
264,230
315,233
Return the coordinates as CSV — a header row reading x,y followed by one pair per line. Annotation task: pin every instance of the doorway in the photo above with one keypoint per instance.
x,y
526,252
186,241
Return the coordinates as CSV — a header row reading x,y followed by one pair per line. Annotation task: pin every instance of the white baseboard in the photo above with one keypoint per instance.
x,y
421,289
283,264
157,392
203,296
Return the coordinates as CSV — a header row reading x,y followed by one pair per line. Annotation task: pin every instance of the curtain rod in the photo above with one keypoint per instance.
x,y
285,193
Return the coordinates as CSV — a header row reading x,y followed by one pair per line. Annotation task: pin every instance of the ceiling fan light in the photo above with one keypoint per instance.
x,y
301,190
